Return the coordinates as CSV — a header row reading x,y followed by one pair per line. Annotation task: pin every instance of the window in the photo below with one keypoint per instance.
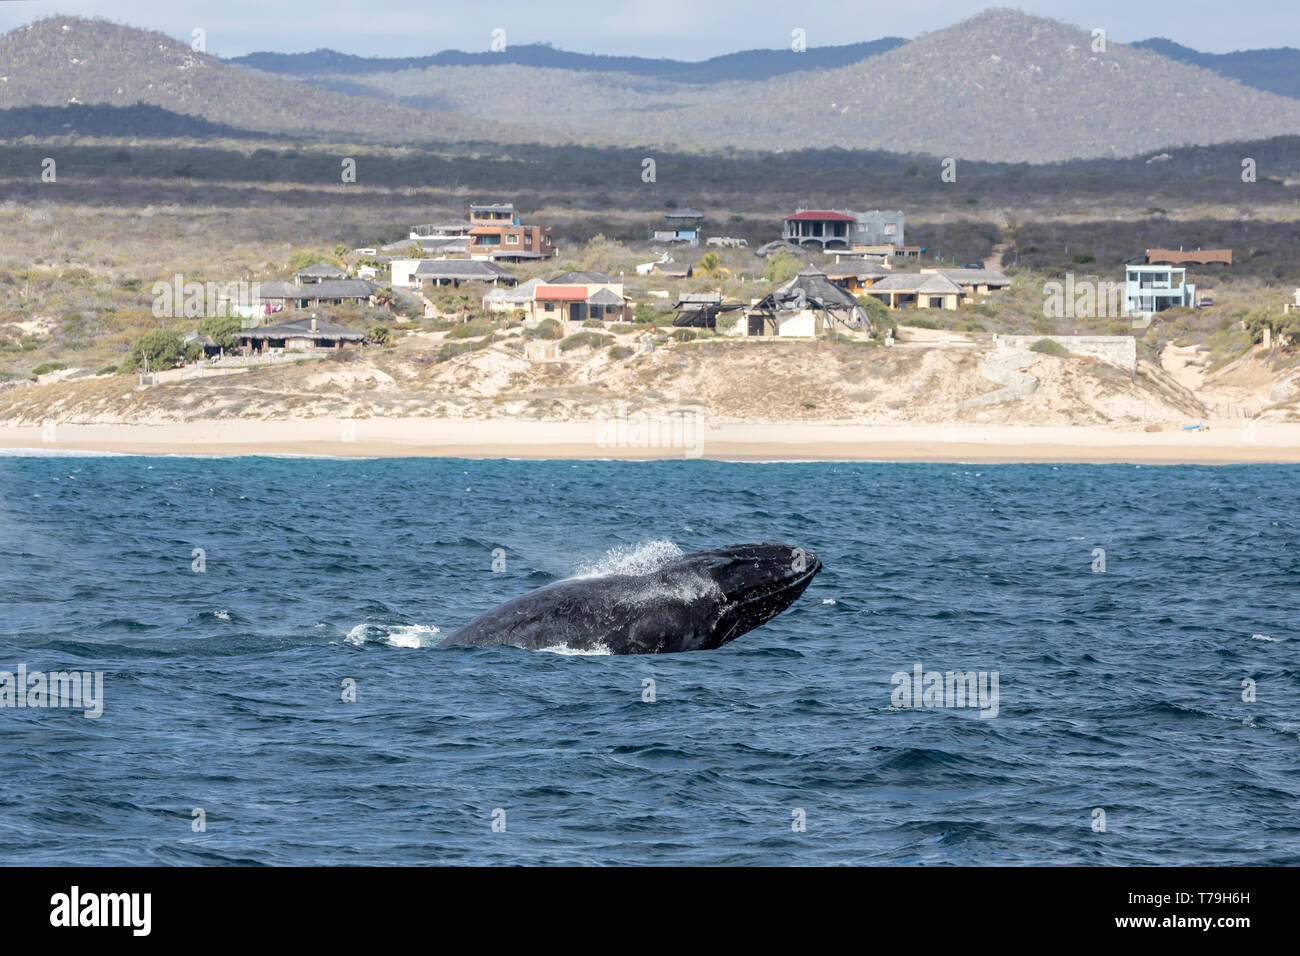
x,y
550,307
512,240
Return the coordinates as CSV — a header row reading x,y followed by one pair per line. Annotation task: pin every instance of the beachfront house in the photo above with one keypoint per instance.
x,y
496,233
433,273
855,275
577,296
974,282
320,272
1150,289
917,290
680,225
846,230
308,334
808,305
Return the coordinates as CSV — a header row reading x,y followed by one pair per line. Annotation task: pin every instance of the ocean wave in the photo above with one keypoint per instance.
x,y
394,635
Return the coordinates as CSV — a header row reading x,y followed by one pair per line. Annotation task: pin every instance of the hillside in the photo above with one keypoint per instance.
x,y
1001,86
726,381
64,61
729,67
1276,70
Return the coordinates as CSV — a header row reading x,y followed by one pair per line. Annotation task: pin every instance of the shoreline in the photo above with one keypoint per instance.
x,y
1223,443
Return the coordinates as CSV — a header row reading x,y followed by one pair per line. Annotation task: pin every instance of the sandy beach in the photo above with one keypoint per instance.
x,y
683,437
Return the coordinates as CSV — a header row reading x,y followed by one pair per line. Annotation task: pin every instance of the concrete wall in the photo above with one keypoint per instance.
x,y
1119,350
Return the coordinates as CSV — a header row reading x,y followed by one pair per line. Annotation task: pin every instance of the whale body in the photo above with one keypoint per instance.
x,y
694,602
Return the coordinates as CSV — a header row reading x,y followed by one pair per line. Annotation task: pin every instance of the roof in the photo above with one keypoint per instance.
x,y
693,300
301,328
845,270
604,297
1199,257
929,283
276,289
587,278
821,214
324,270
517,254
685,213
810,288
975,276
336,289
492,207
780,245
545,293
461,269
681,269
441,243
520,293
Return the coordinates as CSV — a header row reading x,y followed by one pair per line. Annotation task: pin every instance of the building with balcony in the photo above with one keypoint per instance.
x,y
1149,289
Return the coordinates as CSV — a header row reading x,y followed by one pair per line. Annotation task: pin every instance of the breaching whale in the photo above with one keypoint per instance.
x,y
689,603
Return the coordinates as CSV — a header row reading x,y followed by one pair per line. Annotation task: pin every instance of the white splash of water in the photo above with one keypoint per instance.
x,y
643,560
394,635
1265,637
635,559
600,650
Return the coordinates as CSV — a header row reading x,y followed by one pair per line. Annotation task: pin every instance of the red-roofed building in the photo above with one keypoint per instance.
x,y
579,296
844,230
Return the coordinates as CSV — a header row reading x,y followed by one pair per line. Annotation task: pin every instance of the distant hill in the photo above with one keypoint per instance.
x,y
141,120
1001,86
1276,70
730,67
69,61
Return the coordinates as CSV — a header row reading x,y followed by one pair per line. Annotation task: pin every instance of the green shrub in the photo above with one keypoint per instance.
x,y
548,329
579,340
593,324
781,267
380,335
471,330
621,328
46,367
620,352
682,335
1048,347
223,329
107,370
879,315
452,349
162,348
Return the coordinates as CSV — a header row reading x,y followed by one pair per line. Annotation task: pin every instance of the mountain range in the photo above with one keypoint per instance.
x,y
1000,86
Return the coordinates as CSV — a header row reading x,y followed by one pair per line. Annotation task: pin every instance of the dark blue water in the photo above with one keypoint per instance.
x,y
1119,691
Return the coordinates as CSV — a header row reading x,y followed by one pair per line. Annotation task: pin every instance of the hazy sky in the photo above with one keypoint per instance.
x,y
682,29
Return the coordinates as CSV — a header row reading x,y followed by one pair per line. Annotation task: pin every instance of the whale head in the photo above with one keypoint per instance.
x,y
757,581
